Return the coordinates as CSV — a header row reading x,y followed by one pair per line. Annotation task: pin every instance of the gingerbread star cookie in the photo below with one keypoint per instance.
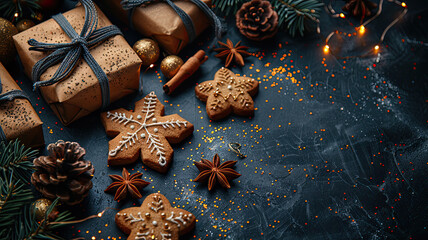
x,y
144,133
228,93
155,219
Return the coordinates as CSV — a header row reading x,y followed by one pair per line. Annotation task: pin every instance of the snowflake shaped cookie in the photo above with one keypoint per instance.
x,y
155,219
228,93
144,132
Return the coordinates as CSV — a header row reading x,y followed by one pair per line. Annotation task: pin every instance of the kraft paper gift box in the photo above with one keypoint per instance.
x,y
18,119
160,22
80,93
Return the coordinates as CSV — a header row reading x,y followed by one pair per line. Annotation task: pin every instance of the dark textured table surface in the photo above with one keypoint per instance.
x,y
337,148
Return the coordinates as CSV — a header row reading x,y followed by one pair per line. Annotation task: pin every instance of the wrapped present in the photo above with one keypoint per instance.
x,y
79,61
18,119
172,24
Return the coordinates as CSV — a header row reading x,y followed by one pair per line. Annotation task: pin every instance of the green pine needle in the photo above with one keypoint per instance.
x,y
14,196
291,13
227,7
17,218
32,230
8,8
16,158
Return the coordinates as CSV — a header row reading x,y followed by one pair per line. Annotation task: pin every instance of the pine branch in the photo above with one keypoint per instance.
x,y
228,7
30,229
8,8
291,13
14,196
17,218
16,158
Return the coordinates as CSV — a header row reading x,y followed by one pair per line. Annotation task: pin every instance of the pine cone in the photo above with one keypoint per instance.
x,y
257,20
63,173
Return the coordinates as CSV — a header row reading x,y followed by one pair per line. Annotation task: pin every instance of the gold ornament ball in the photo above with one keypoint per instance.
x,y
147,50
40,207
170,65
24,24
7,48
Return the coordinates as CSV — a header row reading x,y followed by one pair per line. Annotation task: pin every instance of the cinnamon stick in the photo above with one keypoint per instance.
x,y
187,70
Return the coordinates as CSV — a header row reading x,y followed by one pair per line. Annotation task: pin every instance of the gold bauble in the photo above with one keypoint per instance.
x,y
24,24
40,207
147,50
170,65
7,48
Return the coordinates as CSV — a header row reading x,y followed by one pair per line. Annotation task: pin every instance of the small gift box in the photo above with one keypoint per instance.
x,y
18,119
159,21
79,61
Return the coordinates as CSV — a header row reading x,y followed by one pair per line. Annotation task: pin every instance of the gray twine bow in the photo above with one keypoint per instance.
x,y
188,23
9,96
70,53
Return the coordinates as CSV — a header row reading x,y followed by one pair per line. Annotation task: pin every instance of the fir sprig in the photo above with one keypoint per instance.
x,y
228,7
17,217
291,13
16,158
14,196
33,230
8,8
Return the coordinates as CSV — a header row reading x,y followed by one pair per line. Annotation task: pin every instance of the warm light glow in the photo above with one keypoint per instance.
x,y
342,15
326,48
100,214
16,14
362,29
151,65
403,4
376,48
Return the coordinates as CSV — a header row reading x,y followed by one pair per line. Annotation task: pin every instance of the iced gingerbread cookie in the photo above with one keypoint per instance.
x,y
155,219
228,93
144,133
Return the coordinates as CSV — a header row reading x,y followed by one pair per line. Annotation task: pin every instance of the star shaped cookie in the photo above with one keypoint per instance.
x,y
144,133
228,93
155,219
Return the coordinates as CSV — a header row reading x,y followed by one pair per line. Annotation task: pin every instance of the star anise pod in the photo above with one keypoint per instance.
x,y
232,53
359,7
214,172
125,184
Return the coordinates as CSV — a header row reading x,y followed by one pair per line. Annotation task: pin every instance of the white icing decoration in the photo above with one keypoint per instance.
x,y
133,219
153,140
157,204
166,236
142,235
178,219
155,223
229,87
205,87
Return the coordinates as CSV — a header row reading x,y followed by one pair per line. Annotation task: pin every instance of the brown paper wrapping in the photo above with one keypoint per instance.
x,y
80,93
18,119
160,22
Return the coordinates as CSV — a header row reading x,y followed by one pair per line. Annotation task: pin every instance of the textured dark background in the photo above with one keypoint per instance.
x,y
337,148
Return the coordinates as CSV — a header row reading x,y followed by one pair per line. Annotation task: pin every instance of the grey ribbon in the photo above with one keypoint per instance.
x,y
70,53
9,96
187,21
